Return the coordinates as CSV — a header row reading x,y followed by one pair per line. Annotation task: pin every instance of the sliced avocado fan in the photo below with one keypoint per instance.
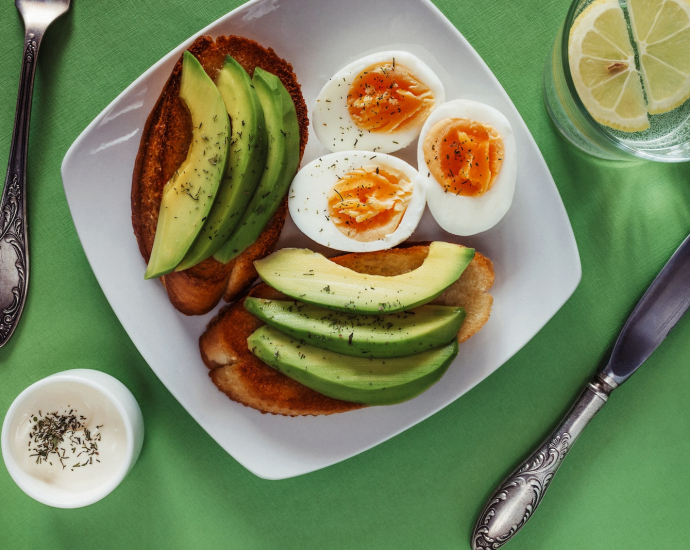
x,y
245,165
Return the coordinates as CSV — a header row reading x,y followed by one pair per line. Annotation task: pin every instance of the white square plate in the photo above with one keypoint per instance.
x,y
533,248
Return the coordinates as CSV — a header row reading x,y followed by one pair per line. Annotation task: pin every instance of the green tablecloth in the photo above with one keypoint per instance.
x,y
626,482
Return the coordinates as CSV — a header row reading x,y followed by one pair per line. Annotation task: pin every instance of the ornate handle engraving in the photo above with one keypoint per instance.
x,y
14,252
12,232
31,48
516,499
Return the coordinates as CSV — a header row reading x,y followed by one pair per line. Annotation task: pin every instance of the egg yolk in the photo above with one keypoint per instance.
x,y
368,203
386,97
463,155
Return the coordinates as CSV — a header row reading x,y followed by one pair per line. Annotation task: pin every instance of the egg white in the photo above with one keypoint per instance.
x,y
464,215
308,199
332,123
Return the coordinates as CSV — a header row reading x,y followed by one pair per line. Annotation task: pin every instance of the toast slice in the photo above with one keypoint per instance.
x,y
246,379
163,147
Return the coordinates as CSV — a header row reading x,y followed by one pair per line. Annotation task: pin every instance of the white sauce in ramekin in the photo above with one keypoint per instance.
x,y
100,417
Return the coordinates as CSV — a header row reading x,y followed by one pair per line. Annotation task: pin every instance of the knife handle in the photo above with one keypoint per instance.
x,y
516,499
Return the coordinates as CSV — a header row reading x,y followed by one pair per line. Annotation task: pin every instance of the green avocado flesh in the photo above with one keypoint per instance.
x,y
356,379
281,164
246,161
188,195
310,277
390,335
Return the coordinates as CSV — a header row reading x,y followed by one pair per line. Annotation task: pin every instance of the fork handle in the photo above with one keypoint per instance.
x,y
516,499
14,244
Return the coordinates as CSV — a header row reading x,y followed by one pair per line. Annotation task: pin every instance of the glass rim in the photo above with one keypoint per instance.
x,y
596,126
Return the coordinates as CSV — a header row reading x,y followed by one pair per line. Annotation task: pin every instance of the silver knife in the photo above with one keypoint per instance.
x,y
516,499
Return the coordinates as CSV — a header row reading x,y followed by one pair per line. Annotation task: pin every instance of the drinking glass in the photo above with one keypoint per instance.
x,y
667,139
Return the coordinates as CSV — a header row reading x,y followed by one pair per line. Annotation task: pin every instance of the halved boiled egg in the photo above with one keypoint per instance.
x,y
377,103
357,201
468,163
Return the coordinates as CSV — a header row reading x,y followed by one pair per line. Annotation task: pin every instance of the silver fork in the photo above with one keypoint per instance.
x,y
14,244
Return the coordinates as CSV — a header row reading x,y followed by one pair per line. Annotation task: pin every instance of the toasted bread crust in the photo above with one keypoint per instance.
x,y
163,147
197,290
246,379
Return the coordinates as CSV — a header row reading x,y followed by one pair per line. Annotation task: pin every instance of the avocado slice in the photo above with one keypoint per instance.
x,y
390,335
281,164
310,277
246,161
356,379
188,195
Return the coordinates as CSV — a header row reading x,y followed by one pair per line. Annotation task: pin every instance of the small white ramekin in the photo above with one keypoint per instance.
x,y
129,410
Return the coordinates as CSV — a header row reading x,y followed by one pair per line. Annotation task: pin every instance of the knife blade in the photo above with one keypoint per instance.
x,y
660,308
657,312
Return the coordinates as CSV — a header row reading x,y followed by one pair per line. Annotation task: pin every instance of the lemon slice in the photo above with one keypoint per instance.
x,y
602,63
662,31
